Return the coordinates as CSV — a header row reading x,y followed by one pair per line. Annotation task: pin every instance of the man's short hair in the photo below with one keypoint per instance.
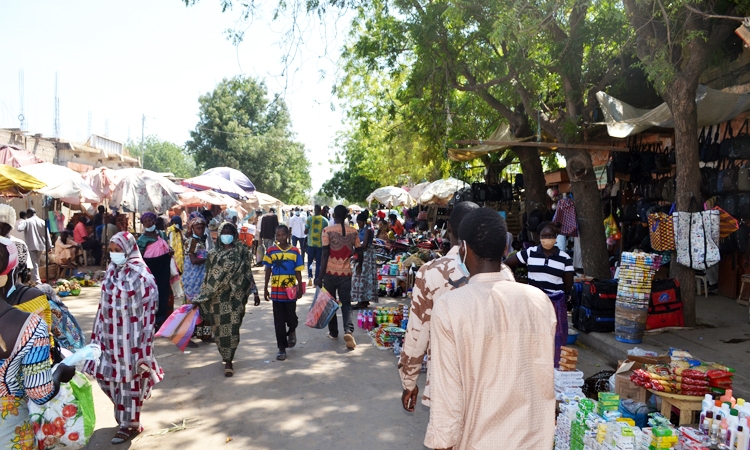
x,y
459,212
485,232
22,214
283,228
30,212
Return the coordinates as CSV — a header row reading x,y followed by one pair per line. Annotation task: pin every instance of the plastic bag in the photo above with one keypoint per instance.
x,y
91,352
180,325
68,420
610,226
323,308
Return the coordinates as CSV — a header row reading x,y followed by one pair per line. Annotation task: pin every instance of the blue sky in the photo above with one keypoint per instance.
x,y
120,60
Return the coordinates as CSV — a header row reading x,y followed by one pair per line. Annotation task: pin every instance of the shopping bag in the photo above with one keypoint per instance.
x,y
697,238
291,291
661,231
323,308
565,214
68,420
174,320
727,223
184,332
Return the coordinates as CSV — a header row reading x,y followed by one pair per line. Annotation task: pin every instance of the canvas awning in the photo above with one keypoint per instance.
x,y
714,107
502,134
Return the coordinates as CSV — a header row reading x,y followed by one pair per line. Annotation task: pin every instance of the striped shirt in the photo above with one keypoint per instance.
x,y
546,273
284,266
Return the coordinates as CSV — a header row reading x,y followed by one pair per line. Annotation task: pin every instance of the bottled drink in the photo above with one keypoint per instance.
x,y
359,319
369,321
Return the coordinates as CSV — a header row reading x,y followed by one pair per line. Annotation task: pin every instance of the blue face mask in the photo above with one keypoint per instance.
x,y
227,239
118,258
196,236
151,228
462,261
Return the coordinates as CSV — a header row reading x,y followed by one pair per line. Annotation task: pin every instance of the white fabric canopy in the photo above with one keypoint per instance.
x,y
714,107
141,190
441,191
417,190
264,201
502,134
62,183
391,196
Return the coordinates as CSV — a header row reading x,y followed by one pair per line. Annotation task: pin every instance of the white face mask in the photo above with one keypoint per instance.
x,y
151,228
462,261
118,258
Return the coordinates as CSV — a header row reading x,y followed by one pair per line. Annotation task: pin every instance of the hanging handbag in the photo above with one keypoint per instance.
x,y
725,148
743,179
697,237
713,149
730,176
661,231
727,223
741,143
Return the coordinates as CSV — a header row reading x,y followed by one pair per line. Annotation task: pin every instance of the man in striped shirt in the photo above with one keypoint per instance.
x,y
550,269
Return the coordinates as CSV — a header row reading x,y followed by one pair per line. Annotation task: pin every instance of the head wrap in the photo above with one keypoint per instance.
x,y
147,215
12,255
195,218
132,274
7,214
177,220
223,225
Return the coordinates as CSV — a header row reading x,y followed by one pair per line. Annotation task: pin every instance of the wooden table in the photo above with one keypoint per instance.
x,y
688,405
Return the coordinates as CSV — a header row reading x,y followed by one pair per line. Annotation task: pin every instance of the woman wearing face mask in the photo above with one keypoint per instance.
x,y
551,270
25,365
124,329
157,254
195,268
225,291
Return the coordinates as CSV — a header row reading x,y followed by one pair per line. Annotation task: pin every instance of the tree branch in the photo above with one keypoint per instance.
x,y
487,84
744,20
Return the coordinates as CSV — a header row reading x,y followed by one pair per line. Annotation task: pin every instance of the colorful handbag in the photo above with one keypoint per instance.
x,y
661,231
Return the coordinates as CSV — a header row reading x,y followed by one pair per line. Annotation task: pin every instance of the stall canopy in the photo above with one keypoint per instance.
x,y
14,182
391,196
502,134
441,191
100,180
215,183
417,190
140,190
16,157
263,201
714,107
62,183
233,175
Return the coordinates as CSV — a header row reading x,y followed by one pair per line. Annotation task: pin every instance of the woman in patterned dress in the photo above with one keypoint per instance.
x,y
195,268
365,277
25,366
124,325
225,291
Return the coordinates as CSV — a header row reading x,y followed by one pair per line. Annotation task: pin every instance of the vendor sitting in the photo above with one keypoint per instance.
x,y
549,268
396,225
66,249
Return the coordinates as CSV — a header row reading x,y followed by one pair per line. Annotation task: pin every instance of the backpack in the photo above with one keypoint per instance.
x,y
65,328
665,305
594,306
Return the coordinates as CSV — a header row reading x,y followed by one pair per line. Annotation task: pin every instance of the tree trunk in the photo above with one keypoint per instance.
x,y
681,100
588,203
533,176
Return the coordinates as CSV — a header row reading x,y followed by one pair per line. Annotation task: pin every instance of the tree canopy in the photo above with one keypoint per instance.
x,y
241,126
163,156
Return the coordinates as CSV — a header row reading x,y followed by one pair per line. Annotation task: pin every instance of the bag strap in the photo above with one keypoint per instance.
x,y
702,136
745,128
716,136
728,131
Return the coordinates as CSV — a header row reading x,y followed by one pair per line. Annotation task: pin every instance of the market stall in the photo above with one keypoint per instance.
x,y
216,183
391,196
140,190
62,183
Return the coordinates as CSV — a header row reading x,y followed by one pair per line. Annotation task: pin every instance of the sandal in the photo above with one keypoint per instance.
x,y
281,356
228,371
122,435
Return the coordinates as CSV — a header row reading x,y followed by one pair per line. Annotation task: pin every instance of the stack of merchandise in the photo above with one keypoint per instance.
x,y
568,359
568,385
585,424
685,375
607,403
386,336
633,293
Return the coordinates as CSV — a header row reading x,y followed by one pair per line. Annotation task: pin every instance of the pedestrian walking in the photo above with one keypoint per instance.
x,y
176,241
314,230
365,277
284,269
268,229
432,281
7,222
491,339
157,255
297,227
124,329
339,242
225,291
194,273
37,239
25,365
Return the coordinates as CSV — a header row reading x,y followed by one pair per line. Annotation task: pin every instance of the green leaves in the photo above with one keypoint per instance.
x,y
240,127
163,156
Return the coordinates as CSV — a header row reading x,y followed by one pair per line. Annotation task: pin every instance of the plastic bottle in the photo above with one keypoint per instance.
x,y
705,425
370,324
714,436
741,441
727,397
724,430
359,319
706,406
742,407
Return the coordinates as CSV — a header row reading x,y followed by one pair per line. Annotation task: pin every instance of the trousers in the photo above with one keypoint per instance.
x,y
340,287
34,255
284,315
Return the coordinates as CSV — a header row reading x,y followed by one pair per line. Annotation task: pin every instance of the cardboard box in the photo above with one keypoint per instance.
x,y
626,388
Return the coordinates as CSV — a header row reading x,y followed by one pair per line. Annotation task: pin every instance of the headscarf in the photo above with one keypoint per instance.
x,y
228,270
7,214
131,276
12,255
147,215
176,220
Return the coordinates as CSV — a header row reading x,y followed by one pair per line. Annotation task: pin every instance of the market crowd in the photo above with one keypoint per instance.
x,y
466,297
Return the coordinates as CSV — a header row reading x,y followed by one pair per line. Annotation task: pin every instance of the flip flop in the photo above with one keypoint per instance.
x,y
122,435
228,372
281,356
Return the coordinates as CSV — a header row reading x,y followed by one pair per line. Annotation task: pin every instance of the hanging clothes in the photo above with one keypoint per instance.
x,y
565,214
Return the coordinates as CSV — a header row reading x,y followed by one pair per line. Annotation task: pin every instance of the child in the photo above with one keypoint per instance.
x,y
284,268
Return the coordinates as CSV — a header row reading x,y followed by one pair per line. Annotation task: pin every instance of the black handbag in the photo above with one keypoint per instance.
x,y
713,150
741,143
725,149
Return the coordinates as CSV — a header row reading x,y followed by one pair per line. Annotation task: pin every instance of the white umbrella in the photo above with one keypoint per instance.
x,y
417,190
100,180
355,208
62,183
264,201
141,190
391,196
440,192
215,183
